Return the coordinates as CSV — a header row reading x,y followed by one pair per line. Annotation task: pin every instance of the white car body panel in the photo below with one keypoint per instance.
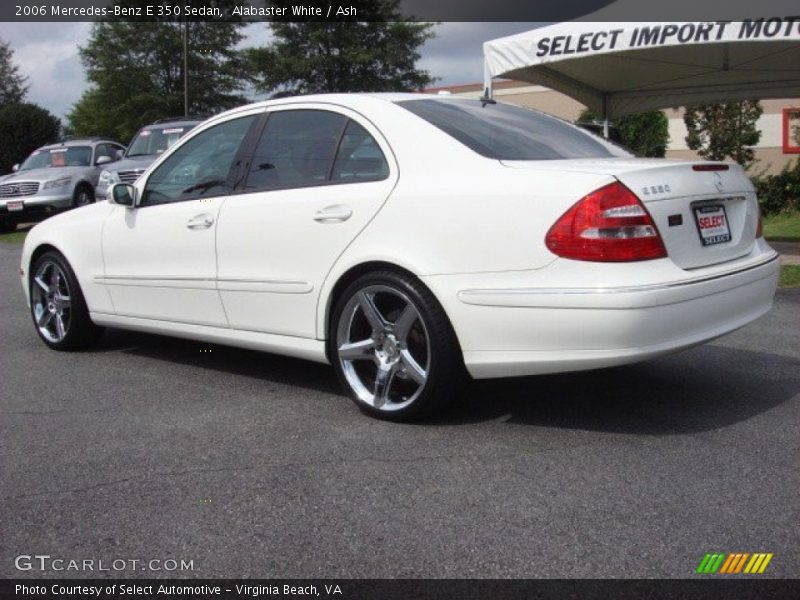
x,y
472,229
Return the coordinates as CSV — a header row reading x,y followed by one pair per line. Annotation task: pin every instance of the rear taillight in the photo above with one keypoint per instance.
x,y
609,225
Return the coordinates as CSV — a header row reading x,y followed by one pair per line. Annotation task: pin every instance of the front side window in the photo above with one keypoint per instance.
x,y
108,150
297,148
506,132
200,167
66,156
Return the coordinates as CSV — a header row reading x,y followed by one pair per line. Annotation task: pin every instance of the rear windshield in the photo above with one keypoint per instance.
x,y
506,132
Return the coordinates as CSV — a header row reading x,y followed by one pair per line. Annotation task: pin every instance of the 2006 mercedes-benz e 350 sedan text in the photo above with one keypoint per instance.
x,y
405,239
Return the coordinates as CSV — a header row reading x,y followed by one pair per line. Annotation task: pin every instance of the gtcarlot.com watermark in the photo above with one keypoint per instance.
x,y
45,562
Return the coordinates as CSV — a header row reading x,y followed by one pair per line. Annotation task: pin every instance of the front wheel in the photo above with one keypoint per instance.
x,y
393,347
58,308
83,196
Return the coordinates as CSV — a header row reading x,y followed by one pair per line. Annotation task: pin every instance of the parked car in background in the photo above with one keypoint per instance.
x,y
147,145
53,178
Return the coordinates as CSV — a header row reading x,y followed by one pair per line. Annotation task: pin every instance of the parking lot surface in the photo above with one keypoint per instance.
x,y
253,465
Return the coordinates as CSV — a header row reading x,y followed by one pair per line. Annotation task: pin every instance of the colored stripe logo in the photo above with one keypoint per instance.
x,y
734,563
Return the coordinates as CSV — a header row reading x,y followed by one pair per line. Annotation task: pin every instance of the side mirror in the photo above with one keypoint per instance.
x,y
103,160
15,168
124,194
120,154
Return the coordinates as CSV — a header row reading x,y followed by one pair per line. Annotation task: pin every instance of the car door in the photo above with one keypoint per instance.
x,y
160,257
316,177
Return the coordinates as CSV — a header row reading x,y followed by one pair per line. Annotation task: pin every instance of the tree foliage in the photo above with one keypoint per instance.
x,y
12,84
24,127
135,70
645,134
356,56
724,130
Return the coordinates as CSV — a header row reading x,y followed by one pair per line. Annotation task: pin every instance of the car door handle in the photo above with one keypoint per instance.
x,y
200,222
333,214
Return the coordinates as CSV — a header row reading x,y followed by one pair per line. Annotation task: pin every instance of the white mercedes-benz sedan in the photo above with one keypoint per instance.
x,y
409,239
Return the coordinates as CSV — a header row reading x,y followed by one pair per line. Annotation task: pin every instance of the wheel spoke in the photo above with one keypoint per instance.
x,y
404,323
412,368
363,350
40,282
63,300
371,312
43,320
59,327
383,383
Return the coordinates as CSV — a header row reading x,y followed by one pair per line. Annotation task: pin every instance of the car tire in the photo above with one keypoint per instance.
x,y
83,196
393,347
58,308
8,227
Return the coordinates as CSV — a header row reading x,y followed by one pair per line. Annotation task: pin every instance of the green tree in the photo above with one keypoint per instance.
x,y
357,56
12,84
646,134
724,130
135,70
24,127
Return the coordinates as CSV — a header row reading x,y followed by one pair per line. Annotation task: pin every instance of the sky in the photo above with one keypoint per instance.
x,y
47,53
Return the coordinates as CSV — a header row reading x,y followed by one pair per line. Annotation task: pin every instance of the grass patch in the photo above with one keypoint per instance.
x,y
16,237
783,227
790,276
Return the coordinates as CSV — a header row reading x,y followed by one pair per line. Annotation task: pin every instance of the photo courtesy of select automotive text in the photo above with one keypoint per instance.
x,y
399,300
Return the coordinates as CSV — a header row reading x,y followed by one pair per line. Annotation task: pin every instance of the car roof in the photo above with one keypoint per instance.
x,y
350,100
79,142
176,122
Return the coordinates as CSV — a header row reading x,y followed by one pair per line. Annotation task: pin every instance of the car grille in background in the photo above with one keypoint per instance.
x,y
129,176
14,190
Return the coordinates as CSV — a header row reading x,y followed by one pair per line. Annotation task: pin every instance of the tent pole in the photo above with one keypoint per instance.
x,y
487,82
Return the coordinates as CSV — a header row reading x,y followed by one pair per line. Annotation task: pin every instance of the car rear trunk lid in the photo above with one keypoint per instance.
x,y
705,217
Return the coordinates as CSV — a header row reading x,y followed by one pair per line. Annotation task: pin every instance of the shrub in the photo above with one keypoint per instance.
x,y
781,192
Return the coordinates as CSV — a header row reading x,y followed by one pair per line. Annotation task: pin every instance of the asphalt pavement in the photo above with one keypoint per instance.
x,y
254,465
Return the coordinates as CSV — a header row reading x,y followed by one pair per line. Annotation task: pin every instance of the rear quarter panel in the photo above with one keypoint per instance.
x,y
454,211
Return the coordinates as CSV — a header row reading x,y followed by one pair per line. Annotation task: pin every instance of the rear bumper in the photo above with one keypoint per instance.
x,y
513,331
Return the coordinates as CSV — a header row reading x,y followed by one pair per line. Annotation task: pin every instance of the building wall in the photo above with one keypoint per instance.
x,y
770,157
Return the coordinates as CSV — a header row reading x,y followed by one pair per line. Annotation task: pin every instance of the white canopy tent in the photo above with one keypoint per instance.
x,y
622,68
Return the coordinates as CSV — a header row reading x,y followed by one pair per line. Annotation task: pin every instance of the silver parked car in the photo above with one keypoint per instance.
x,y
53,178
147,145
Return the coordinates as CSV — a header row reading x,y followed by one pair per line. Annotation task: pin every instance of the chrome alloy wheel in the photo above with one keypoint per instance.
x,y
50,298
383,348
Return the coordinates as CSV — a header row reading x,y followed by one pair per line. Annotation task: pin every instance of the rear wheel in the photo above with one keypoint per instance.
x,y
58,307
83,195
393,347
7,226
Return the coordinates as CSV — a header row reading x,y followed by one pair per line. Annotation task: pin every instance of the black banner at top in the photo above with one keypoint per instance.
x,y
365,10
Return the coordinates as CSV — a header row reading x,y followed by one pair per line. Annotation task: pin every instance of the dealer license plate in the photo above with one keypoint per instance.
x,y
14,205
712,222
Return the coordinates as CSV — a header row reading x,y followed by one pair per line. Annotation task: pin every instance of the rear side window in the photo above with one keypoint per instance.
x,y
305,147
359,157
505,132
297,148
